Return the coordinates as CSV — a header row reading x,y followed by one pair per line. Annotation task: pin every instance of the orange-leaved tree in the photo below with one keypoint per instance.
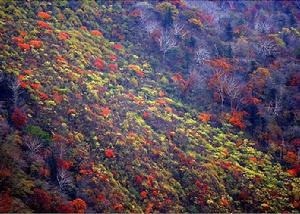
x,y
185,85
237,119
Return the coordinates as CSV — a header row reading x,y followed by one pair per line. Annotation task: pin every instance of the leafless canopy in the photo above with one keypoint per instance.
x,y
15,87
166,42
63,179
267,47
201,55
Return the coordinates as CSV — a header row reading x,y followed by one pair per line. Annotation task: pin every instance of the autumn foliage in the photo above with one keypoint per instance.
x,y
105,111
139,120
109,153
5,202
64,208
96,33
204,117
44,25
118,47
78,205
236,119
41,200
63,36
64,164
99,63
17,39
36,43
220,64
185,85
24,46
113,67
19,118
295,171
144,194
44,15
137,70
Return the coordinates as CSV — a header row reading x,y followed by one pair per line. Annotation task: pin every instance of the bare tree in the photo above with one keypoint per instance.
x,y
221,78
275,106
15,87
201,55
178,29
33,145
63,179
151,26
166,42
227,85
145,17
267,47
233,90
200,79
262,26
210,7
61,149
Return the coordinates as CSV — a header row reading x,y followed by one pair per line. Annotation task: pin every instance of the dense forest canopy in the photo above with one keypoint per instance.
x,y
149,106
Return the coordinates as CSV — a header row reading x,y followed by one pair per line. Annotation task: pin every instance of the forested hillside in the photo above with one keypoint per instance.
x,y
149,106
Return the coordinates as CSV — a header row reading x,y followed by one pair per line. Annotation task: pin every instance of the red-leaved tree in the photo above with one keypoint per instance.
x,y
19,118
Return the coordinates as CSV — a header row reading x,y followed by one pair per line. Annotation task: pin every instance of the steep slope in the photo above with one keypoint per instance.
x,y
97,132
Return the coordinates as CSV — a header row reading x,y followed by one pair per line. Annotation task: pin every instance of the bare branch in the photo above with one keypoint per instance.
x,y
267,47
33,145
262,27
15,87
166,42
63,179
275,106
233,90
178,29
201,55
151,26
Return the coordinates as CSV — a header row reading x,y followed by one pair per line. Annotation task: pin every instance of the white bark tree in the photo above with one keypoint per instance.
x,y
63,179
15,88
228,86
33,145
233,91
267,47
151,26
166,42
178,29
201,55
262,27
221,85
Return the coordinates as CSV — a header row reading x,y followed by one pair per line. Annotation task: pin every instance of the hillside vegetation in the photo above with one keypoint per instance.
x,y
99,115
